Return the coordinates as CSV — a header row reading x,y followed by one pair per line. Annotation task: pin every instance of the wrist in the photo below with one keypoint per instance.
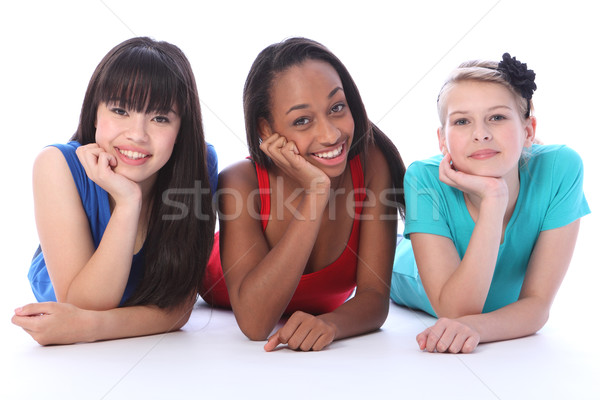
x,y
472,321
319,186
130,206
332,325
92,325
493,205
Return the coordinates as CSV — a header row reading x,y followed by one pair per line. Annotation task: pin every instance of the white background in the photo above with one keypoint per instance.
x,y
399,54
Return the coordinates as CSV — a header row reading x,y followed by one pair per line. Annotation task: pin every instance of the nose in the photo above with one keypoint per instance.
x,y
481,133
329,133
137,130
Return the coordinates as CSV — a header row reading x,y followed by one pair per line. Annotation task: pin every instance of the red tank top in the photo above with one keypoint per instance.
x,y
317,292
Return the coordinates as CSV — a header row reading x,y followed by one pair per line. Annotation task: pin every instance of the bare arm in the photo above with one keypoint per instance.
x,y
368,309
88,278
260,281
443,273
547,267
63,323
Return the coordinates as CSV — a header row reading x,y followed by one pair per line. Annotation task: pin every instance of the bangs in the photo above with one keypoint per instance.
x,y
141,80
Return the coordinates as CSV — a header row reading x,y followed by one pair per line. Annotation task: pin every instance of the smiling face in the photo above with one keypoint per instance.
x,y
142,143
483,130
309,107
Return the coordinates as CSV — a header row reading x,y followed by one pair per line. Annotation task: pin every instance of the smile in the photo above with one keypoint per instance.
x,y
134,155
483,154
328,155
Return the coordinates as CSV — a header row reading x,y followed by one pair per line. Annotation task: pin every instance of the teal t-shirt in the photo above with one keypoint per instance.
x,y
550,196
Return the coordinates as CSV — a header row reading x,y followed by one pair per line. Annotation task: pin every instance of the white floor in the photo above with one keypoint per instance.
x,y
211,358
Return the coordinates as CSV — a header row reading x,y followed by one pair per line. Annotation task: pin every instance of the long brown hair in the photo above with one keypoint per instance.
x,y
149,76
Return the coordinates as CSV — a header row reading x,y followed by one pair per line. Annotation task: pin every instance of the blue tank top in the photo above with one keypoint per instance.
x,y
95,203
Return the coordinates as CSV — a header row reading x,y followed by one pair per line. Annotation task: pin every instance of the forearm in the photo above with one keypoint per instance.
x,y
467,288
266,290
365,312
137,321
101,282
522,318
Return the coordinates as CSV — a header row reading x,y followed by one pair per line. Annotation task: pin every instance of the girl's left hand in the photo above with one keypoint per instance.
x,y
303,332
55,323
448,335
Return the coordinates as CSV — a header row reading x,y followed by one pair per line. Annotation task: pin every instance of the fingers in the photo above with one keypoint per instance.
x,y
273,145
302,332
29,317
470,344
448,336
282,152
95,160
273,342
35,309
447,174
422,338
28,322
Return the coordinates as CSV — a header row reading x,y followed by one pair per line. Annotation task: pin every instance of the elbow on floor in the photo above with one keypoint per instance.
x,y
254,332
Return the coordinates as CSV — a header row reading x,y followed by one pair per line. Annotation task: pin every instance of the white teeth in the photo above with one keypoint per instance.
x,y
134,155
330,154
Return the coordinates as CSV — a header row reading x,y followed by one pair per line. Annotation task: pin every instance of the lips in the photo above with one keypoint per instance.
x,y
132,156
483,154
328,155
333,156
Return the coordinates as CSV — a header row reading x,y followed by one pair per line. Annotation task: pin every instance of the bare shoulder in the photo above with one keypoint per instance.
x,y
51,165
240,176
377,169
49,157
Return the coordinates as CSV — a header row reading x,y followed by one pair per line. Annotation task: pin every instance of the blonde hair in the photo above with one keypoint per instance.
x,y
480,71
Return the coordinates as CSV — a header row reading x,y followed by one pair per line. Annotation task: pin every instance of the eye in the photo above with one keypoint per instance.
x,y
461,121
497,118
118,111
338,108
160,119
301,121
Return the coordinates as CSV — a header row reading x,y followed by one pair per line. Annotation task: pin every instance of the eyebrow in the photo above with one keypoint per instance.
x,y
119,103
302,106
489,109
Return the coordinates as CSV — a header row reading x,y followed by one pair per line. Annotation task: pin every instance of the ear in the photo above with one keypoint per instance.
x,y
530,126
442,140
264,128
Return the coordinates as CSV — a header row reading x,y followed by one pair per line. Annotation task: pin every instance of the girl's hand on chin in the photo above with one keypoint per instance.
x,y
481,186
99,167
286,156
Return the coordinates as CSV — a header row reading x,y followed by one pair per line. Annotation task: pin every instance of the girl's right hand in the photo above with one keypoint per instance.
x,y
480,186
286,156
99,165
